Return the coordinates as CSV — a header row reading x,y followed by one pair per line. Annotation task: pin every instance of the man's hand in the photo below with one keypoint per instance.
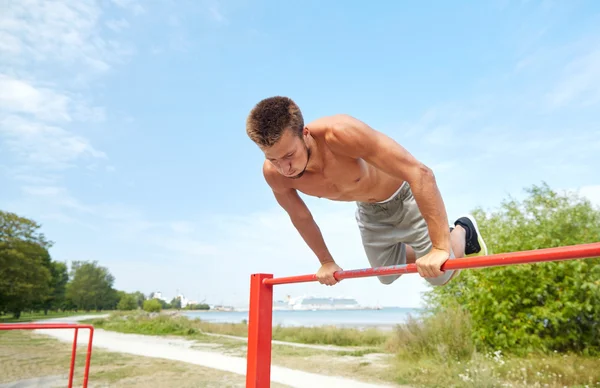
x,y
325,273
430,264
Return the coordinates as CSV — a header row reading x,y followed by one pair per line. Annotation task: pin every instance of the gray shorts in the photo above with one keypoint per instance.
x,y
386,228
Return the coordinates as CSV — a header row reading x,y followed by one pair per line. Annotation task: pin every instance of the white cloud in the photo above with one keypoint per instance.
x,y
117,25
49,52
579,82
18,96
65,32
57,197
592,193
131,5
43,145
267,242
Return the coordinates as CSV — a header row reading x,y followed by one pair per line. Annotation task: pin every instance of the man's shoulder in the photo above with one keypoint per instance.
x,y
328,123
273,178
331,129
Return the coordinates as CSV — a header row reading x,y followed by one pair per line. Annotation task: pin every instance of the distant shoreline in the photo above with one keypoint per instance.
x,y
245,309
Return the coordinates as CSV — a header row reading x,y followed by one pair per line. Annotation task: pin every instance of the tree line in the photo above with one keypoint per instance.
x,y
30,280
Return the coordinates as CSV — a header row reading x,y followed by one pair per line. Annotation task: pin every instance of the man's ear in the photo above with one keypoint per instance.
x,y
305,132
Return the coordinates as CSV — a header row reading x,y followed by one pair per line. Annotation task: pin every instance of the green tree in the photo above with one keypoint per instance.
x,y
127,302
140,298
91,287
58,286
25,264
547,306
176,303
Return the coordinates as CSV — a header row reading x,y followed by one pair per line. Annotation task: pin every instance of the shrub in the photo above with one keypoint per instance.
x,y
152,306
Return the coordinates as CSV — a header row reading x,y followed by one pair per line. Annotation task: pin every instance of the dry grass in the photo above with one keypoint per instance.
x,y
140,322
25,355
433,352
438,351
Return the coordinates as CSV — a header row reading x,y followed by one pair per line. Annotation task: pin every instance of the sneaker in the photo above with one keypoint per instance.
x,y
475,245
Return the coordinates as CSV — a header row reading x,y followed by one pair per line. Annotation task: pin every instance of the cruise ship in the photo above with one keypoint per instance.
x,y
317,303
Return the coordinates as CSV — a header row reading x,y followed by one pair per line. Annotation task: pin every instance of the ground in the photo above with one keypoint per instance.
x,y
26,355
129,360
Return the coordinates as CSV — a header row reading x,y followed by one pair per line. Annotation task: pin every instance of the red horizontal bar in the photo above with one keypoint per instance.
x,y
76,326
580,251
36,326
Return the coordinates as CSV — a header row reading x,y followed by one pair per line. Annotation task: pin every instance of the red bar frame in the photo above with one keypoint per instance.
x,y
260,332
580,251
260,329
76,326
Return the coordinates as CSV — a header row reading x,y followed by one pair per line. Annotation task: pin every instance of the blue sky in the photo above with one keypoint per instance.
x,y
122,123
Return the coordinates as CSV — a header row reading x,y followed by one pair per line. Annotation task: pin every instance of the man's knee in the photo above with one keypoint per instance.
x,y
387,280
441,280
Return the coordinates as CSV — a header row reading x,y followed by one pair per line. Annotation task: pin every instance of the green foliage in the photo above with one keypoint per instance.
x,y
444,336
152,305
127,302
30,281
144,324
139,298
176,303
200,306
330,335
60,278
91,287
548,306
25,264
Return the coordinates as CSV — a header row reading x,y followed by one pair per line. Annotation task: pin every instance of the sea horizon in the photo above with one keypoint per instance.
x,y
385,318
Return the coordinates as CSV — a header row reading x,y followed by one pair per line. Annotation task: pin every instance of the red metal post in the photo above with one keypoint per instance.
x,y
260,331
88,357
580,251
73,356
76,326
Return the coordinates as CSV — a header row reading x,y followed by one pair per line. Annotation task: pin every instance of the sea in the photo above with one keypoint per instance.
x,y
385,318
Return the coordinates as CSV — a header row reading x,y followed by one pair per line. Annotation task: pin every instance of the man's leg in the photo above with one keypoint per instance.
x,y
457,243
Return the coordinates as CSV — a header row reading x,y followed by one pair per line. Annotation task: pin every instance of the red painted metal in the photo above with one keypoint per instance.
x,y
580,251
73,355
76,326
260,331
260,327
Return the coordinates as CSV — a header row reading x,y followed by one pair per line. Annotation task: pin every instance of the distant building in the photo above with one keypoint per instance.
x,y
316,303
158,295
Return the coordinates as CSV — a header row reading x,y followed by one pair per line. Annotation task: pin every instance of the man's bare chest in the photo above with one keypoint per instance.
x,y
338,180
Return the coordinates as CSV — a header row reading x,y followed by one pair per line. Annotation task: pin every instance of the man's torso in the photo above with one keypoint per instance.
x,y
344,179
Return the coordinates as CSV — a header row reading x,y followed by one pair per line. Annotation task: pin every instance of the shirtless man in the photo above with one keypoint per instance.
x,y
400,212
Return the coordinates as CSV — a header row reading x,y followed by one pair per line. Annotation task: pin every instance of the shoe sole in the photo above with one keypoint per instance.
x,y
479,236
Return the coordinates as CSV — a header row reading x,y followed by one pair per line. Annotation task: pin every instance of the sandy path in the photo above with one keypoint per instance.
x,y
181,350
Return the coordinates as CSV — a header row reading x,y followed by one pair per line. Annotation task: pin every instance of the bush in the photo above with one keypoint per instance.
x,y
127,302
552,306
444,335
152,306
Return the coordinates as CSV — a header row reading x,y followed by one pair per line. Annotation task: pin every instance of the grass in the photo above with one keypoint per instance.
x,y
143,323
432,351
26,355
438,352
30,316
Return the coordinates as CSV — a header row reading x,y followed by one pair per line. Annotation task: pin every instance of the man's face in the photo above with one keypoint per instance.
x,y
289,155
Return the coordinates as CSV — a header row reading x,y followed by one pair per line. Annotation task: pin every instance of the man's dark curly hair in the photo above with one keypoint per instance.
x,y
271,117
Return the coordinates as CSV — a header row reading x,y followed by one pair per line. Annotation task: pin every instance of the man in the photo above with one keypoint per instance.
x,y
400,212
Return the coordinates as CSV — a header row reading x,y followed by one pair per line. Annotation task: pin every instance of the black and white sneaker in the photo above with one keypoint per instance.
x,y
475,245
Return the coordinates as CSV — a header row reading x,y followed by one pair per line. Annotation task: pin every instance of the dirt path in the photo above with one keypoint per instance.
x,y
181,350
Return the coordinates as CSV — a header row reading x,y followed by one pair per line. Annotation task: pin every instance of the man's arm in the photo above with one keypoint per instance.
x,y
354,138
301,218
